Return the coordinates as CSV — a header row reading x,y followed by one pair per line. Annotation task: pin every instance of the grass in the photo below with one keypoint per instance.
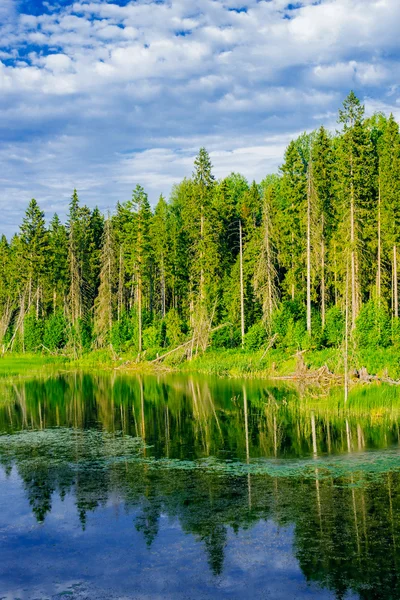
x,y
222,362
21,364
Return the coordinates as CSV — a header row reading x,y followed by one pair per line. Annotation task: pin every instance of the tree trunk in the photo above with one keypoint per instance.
x,y
354,291
37,302
309,253
323,300
335,274
395,283
139,303
292,268
163,310
346,341
120,286
241,283
379,273
270,300
202,295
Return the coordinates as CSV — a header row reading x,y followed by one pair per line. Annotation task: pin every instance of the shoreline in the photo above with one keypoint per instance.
x,y
311,367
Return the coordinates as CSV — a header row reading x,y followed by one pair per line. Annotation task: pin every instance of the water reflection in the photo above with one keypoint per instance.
x,y
218,457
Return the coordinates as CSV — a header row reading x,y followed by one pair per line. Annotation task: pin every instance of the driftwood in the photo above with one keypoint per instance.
x,y
305,374
270,345
51,352
185,344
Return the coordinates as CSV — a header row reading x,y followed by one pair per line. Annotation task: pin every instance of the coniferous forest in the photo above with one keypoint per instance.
x,y
295,260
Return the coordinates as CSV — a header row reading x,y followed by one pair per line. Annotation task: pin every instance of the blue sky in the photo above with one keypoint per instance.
x,y
101,95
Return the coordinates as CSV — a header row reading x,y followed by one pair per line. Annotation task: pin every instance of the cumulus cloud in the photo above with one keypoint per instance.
x,y
100,95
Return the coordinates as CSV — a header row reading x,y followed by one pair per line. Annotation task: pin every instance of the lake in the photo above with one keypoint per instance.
x,y
126,486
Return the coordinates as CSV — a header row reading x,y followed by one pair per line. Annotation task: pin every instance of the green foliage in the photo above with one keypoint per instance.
x,y
373,327
124,333
55,332
175,329
86,333
226,337
151,337
33,332
290,324
334,326
256,337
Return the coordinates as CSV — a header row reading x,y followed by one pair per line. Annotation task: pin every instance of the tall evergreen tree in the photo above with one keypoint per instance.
x,y
357,197
34,241
389,178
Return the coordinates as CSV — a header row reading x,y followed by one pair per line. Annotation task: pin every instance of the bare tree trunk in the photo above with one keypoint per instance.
x,y
75,286
163,303
354,286
309,253
323,300
265,274
395,283
120,285
139,298
202,294
378,274
292,268
270,299
241,283
346,341
335,274
37,302
30,291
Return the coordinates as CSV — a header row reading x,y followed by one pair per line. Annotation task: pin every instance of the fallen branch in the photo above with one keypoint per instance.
x,y
187,343
270,345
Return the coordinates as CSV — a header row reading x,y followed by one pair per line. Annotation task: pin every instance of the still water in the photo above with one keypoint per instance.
x,y
118,486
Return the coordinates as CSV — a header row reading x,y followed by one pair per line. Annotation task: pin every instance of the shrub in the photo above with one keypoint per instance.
x,y
256,337
334,326
174,334
124,333
226,337
373,326
55,332
33,332
289,322
151,337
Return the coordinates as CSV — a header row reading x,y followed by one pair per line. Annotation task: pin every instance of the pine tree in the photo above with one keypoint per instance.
x,y
159,235
389,176
58,261
293,196
265,277
358,200
203,213
104,304
324,213
137,223
74,266
34,241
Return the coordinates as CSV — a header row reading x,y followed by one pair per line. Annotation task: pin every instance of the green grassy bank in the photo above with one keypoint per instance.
x,y
230,363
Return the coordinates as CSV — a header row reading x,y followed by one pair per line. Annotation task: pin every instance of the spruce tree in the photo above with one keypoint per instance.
x,y
356,188
34,239
389,178
104,304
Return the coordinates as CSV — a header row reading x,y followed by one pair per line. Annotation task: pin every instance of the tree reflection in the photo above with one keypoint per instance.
x,y
346,527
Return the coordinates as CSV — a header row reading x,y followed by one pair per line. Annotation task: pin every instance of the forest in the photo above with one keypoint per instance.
x,y
294,261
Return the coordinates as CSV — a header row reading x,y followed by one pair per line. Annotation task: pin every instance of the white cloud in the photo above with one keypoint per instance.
x,y
152,82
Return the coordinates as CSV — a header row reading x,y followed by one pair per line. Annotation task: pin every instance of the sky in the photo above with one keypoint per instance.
x,y
100,95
